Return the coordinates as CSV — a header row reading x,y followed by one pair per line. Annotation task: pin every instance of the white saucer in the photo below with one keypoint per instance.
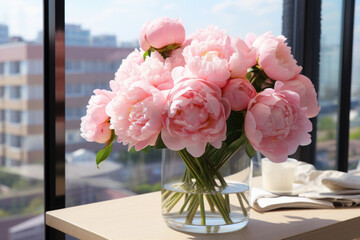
x,y
296,189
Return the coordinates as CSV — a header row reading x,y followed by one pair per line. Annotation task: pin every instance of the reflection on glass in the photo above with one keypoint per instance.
x,y
21,121
97,39
328,84
354,143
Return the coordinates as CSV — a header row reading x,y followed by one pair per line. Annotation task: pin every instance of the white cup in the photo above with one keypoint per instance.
x,y
278,177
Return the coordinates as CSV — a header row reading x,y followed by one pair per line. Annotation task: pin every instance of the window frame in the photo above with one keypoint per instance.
x,y
302,27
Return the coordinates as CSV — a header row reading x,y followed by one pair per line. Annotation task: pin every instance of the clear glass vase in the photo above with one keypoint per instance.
x,y
207,194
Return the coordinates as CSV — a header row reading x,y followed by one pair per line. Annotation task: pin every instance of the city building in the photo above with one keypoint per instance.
x,y
76,36
104,41
4,33
21,96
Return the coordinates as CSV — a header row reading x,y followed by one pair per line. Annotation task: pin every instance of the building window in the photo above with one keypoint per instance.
x,y
75,113
73,90
2,140
15,92
15,67
15,117
1,68
15,141
2,115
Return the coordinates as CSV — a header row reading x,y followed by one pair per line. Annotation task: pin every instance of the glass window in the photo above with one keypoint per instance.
x,y
2,115
1,68
15,92
21,167
15,116
354,135
15,141
131,173
15,67
329,78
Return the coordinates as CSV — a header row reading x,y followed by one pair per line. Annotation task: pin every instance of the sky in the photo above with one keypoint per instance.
x,y
124,18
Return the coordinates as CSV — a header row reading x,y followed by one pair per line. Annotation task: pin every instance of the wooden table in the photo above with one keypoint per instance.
x,y
139,217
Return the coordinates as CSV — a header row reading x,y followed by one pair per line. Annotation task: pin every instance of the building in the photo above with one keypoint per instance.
x,y
4,33
21,96
76,36
104,41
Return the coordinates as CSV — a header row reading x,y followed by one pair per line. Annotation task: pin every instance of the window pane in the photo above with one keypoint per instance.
x,y
97,38
21,131
329,78
354,144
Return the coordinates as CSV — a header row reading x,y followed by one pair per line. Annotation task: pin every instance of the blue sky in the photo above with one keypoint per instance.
x,y
124,17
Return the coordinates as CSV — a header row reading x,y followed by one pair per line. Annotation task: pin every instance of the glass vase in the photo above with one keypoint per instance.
x,y
206,194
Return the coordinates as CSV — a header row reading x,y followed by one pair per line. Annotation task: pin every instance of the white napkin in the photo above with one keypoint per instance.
x,y
262,200
322,189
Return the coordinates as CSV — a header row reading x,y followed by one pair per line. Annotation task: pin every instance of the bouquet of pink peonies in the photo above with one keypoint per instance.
x,y
186,92
204,95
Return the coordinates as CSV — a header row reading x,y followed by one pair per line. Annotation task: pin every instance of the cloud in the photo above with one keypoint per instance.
x,y
170,6
24,18
256,7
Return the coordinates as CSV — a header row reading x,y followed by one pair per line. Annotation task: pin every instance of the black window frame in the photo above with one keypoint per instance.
x,y
301,25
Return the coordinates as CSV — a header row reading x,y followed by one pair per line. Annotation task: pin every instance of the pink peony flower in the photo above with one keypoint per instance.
x,y
276,125
128,71
194,115
95,124
238,92
161,32
243,58
275,58
134,71
136,116
207,57
304,87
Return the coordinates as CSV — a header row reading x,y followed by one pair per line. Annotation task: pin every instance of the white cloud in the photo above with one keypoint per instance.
x,y
255,7
24,17
170,6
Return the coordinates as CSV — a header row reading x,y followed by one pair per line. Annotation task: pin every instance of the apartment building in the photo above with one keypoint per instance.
x,y
21,96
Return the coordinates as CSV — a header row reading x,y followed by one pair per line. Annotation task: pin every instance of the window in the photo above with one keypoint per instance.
x,y
15,141
2,115
75,113
219,9
1,68
21,78
1,92
15,116
14,68
73,90
15,92
89,67
329,78
34,92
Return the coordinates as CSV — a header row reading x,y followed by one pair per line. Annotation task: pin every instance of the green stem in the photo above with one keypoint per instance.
x,y
211,204
192,211
245,199
242,205
173,203
187,199
227,202
202,209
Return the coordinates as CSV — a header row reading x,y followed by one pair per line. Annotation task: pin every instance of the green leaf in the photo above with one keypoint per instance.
x,y
103,154
159,143
132,150
250,151
147,53
248,75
